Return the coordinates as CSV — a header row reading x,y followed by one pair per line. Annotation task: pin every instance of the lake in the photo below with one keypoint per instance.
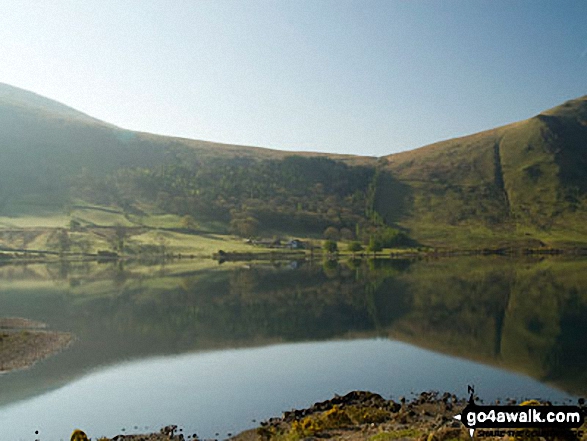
x,y
216,349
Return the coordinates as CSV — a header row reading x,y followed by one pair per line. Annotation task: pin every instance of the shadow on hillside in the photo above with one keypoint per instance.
x,y
393,199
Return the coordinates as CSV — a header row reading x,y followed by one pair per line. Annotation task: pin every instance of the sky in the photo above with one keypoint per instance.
x,y
361,77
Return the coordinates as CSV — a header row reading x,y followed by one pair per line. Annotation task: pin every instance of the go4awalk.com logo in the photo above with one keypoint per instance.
x,y
533,418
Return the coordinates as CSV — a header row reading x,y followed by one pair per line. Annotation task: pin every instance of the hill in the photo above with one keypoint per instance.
x,y
56,160
520,185
525,182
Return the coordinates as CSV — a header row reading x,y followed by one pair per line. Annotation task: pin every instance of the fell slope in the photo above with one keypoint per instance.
x,y
53,158
523,182
42,139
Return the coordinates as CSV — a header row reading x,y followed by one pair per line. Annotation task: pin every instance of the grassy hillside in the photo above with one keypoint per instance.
x,y
520,185
55,159
525,183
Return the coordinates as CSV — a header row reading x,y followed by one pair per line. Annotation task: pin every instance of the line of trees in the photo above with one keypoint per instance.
x,y
303,194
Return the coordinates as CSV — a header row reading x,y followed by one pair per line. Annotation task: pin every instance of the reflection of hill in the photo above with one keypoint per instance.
x,y
121,313
527,316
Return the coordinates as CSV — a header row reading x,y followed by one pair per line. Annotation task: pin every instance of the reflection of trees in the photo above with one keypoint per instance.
x,y
293,305
527,316
240,307
458,308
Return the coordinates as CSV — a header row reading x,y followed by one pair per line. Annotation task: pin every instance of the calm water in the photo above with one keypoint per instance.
x,y
212,350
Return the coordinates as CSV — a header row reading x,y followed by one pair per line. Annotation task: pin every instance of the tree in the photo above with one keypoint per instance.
x,y
244,227
346,234
330,246
120,235
188,222
374,245
355,247
331,233
387,236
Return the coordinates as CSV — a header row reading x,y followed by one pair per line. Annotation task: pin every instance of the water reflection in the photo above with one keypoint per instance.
x,y
528,316
224,391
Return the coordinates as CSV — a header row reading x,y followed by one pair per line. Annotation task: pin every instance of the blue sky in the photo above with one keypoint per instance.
x,y
362,77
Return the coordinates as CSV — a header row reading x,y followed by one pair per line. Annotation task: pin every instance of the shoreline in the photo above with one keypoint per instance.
x,y
263,255
24,342
363,416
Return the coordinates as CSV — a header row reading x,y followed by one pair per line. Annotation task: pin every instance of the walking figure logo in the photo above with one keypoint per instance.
x,y
529,419
471,392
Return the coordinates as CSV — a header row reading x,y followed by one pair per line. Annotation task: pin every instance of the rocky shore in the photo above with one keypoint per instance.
x,y
23,342
363,416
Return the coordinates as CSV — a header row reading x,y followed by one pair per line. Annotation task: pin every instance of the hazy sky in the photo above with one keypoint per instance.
x,y
364,77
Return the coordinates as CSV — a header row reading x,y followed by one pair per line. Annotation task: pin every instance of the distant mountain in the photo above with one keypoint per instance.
x,y
525,181
523,184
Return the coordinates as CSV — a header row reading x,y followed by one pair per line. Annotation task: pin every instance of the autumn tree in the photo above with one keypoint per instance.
x,y
332,234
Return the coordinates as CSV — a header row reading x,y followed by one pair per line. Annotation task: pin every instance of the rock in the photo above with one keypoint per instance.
x,y
169,430
445,434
